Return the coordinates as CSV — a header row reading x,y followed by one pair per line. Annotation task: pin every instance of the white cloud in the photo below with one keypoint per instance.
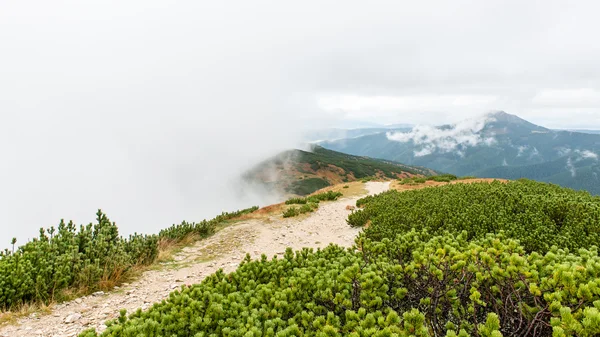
x,y
454,138
586,154
521,149
563,151
426,150
534,153
576,156
571,168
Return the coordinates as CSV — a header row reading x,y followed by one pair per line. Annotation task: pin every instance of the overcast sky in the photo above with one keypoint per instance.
x,y
150,109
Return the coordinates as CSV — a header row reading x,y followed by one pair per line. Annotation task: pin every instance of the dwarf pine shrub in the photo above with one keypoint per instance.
x,y
83,257
412,285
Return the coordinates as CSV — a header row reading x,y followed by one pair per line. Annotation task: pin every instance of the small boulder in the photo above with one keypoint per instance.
x,y
72,318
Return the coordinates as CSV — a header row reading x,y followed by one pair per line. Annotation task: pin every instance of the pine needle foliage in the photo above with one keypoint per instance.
x,y
442,178
315,198
84,258
539,215
413,285
308,204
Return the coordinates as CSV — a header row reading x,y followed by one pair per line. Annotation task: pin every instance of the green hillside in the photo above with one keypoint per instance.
x,y
303,172
483,259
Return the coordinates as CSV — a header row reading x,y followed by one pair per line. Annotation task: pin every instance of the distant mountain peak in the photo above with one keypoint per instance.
x,y
503,117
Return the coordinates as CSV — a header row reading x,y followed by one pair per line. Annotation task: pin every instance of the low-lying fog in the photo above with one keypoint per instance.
x,y
149,113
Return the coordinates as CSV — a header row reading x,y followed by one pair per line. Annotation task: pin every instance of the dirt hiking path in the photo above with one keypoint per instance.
x,y
226,249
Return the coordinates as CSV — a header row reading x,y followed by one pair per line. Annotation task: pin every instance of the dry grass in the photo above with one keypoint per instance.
x,y
479,180
355,189
265,213
11,317
167,249
429,183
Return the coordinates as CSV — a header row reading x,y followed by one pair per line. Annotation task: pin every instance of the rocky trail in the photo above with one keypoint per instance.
x,y
226,249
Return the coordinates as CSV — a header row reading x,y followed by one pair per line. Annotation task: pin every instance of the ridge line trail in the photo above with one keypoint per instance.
x,y
225,249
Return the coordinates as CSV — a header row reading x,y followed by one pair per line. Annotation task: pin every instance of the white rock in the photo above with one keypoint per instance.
x,y
72,318
98,293
78,301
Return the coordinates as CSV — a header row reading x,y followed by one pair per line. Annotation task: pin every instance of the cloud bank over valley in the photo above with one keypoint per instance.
x,y
452,138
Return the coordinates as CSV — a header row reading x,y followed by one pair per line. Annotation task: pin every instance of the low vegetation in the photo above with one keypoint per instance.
x,y
413,285
71,260
443,178
482,259
309,204
295,211
537,214
203,228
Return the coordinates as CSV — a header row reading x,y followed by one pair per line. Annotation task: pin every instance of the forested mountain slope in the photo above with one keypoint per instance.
x,y
495,145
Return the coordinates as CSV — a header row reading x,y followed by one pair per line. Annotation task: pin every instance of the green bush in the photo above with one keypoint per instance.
x,y
203,228
413,181
307,208
309,204
539,215
86,257
291,212
409,286
296,201
66,257
443,178
358,219
446,178
325,196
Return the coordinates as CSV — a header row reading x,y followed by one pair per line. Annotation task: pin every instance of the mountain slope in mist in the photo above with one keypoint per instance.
x,y
303,172
498,145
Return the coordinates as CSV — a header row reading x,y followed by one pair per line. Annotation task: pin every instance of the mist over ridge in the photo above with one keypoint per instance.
x,y
151,110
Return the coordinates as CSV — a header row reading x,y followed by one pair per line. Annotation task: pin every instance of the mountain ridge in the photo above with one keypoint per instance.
x,y
302,172
487,146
